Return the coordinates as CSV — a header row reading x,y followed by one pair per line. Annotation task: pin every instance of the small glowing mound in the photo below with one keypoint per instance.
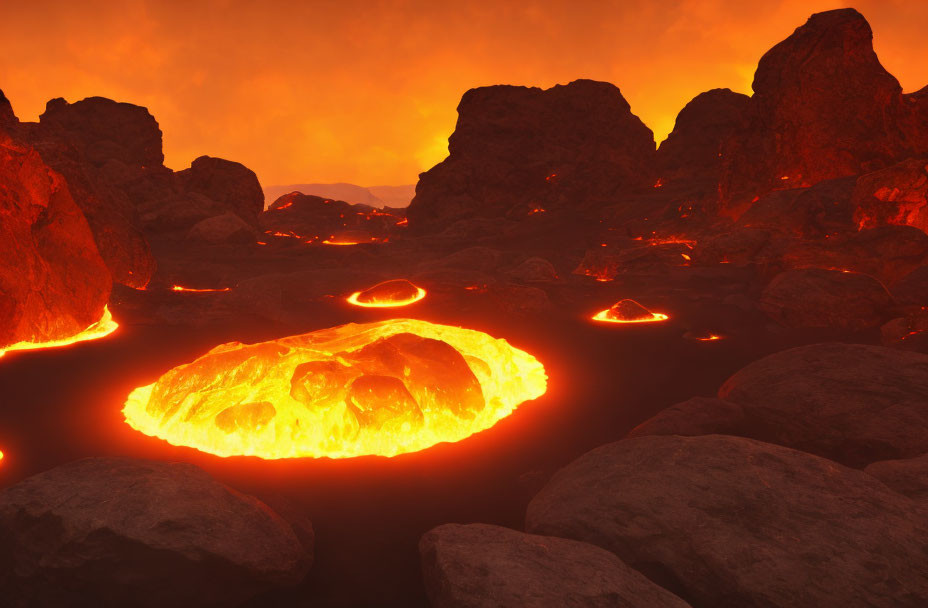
x,y
384,388
102,328
702,336
389,294
629,311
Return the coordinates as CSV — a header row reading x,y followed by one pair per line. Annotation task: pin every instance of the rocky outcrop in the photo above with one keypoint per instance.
x,y
118,532
516,150
225,228
7,117
53,283
694,417
896,195
908,477
308,218
479,566
694,147
823,107
820,298
727,521
913,287
232,184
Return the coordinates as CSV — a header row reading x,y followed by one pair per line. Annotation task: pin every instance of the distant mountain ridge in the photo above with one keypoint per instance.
x,y
374,196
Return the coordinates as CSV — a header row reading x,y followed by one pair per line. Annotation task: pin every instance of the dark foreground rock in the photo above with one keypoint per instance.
x,y
118,532
727,522
848,402
479,566
817,297
908,476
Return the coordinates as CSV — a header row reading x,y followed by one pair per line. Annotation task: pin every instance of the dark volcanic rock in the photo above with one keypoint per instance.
x,y
908,477
693,417
534,270
104,131
53,283
309,218
225,228
727,521
815,297
823,210
518,149
823,107
694,147
116,532
479,566
895,195
232,184
7,117
852,403
913,287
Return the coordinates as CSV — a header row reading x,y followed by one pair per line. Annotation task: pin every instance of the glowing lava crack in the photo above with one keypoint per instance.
x,y
381,388
389,294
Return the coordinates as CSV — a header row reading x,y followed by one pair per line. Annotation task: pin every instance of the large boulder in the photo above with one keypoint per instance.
x,y
908,476
913,288
7,117
820,298
227,182
850,402
895,195
732,522
516,149
694,417
308,218
53,283
483,566
823,107
118,532
694,147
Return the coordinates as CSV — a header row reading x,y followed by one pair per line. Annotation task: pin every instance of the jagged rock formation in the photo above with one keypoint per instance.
x,y
53,283
823,107
516,150
314,219
895,195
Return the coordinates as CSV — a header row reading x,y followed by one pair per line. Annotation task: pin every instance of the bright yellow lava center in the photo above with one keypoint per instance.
x,y
389,294
382,388
104,327
604,316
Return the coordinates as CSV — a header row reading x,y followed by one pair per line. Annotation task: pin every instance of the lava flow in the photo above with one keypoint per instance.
x,y
389,294
102,328
629,311
193,290
383,388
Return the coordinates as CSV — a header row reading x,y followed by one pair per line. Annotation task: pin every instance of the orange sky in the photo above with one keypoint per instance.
x,y
365,91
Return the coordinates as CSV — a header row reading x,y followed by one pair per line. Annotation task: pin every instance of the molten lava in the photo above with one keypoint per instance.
x,y
193,290
383,388
701,336
389,294
102,328
629,311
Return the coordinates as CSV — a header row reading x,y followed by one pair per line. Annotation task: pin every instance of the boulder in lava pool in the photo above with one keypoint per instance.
x,y
851,403
518,149
119,532
483,566
820,298
823,107
895,195
693,149
53,283
728,521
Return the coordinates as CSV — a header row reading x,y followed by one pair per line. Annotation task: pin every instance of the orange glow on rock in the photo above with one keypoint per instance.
x,y
629,311
702,336
102,328
389,294
385,388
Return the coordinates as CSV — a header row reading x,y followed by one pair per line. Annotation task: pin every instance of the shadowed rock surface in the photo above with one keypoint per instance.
x,y
735,522
895,195
908,477
227,182
479,566
118,532
518,149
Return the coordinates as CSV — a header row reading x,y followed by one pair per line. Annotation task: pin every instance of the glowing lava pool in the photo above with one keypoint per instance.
x,y
389,294
382,388
102,328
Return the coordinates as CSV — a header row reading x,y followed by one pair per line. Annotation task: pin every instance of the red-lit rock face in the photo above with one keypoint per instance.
x,y
895,195
313,220
53,283
527,148
823,107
